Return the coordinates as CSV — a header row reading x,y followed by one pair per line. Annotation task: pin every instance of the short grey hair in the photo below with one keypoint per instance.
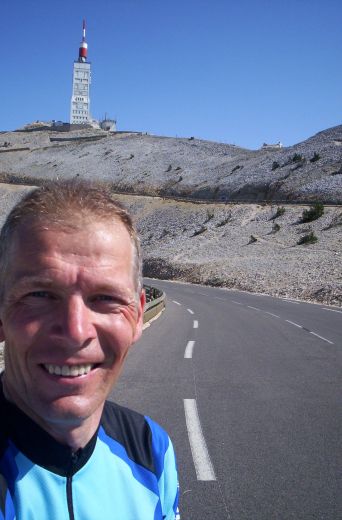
x,y
68,204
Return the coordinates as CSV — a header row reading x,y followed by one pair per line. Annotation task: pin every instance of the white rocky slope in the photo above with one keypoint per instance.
x,y
210,243
147,164
206,243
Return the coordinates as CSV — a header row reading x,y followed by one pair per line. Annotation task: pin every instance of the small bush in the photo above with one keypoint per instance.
x,y
310,238
313,213
169,168
315,157
223,222
297,157
210,215
275,165
199,231
252,239
280,211
237,167
275,228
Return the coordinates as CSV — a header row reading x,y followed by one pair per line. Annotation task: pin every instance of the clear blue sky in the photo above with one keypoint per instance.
x,y
239,72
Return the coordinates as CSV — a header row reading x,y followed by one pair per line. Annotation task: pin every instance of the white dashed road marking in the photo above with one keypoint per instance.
x,y
177,303
271,314
255,308
203,465
237,303
195,324
332,310
189,349
295,324
321,337
191,312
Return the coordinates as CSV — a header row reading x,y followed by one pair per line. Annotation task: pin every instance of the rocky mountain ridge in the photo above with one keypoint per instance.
x,y
186,167
244,246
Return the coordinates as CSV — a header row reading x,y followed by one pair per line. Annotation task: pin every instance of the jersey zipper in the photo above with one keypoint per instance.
x,y
74,459
69,497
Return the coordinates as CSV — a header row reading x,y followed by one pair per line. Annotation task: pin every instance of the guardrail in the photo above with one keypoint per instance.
x,y
155,302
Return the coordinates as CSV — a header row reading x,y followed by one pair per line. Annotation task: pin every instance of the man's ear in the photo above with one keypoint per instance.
x,y
140,316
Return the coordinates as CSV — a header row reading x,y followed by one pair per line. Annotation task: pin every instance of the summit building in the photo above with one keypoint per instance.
x,y
81,79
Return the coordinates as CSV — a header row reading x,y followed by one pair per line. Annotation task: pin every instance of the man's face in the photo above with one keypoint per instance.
x,y
68,318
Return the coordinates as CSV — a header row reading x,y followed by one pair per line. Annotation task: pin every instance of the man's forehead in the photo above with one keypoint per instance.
x,y
35,229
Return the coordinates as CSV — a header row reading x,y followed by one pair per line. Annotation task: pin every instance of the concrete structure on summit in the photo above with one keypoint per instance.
x,y
80,100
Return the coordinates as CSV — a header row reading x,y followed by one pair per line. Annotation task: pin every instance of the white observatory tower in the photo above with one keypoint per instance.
x,y
80,101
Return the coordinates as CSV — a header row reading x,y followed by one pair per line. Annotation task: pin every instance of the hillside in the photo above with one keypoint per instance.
x,y
210,242
152,165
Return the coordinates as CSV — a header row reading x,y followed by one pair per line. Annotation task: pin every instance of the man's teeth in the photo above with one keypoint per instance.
x,y
68,371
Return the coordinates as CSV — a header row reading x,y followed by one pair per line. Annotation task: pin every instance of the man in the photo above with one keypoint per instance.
x,y
71,306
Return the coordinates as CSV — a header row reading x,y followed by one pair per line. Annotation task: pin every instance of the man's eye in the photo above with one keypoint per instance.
x,y
104,298
39,294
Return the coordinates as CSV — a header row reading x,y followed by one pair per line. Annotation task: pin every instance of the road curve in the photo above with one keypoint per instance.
x,y
249,388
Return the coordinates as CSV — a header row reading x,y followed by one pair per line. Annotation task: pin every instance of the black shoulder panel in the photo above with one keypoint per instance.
x,y
130,429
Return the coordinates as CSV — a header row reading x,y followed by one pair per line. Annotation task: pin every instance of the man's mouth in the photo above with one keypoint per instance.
x,y
69,370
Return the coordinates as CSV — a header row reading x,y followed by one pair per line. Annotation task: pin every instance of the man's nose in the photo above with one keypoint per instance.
x,y
75,324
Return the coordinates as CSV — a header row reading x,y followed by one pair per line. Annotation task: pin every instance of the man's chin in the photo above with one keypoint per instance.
x,y
64,413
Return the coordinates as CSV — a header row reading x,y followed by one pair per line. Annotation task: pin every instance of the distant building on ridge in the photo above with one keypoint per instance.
x,y
272,146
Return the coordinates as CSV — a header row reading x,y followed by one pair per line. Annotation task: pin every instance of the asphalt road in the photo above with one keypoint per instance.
x,y
264,375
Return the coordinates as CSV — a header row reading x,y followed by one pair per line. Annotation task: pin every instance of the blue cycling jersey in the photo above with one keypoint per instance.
x,y
127,471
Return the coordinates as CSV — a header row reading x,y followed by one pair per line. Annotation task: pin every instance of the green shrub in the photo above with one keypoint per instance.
x,y
275,228
315,157
280,211
310,238
199,231
313,213
275,165
210,215
252,239
223,222
297,157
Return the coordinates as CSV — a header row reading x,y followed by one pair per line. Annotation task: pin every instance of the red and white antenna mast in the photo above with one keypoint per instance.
x,y
83,50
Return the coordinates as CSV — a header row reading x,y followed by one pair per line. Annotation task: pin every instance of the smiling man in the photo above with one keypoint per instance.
x,y
71,306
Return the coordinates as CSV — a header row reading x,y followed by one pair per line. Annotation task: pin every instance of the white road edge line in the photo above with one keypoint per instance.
x,y
189,310
195,324
200,455
290,301
188,349
177,303
255,308
321,337
237,303
271,314
331,310
295,324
